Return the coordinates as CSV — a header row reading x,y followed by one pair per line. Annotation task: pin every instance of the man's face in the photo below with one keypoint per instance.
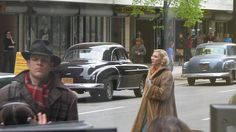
x,y
8,35
39,66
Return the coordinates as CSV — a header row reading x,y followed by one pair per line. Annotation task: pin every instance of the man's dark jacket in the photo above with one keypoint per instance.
x,y
61,104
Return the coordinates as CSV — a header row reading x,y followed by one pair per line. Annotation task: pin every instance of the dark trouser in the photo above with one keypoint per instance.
x,y
188,54
9,61
139,59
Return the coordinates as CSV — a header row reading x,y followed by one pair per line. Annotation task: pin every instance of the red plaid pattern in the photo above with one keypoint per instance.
x,y
38,93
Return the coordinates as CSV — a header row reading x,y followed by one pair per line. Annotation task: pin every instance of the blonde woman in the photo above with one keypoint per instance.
x,y
158,99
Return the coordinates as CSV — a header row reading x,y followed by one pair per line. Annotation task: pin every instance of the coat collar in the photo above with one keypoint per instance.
x,y
160,69
53,95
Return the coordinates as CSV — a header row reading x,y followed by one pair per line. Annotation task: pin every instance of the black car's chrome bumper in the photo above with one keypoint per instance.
x,y
206,75
84,86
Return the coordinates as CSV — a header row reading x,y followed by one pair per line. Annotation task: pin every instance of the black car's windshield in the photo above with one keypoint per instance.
x,y
81,54
212,49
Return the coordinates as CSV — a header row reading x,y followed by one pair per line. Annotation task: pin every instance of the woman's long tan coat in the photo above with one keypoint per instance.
x,y
158,99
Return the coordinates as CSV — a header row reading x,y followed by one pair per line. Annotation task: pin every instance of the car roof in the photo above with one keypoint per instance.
x,y
216,43
92,44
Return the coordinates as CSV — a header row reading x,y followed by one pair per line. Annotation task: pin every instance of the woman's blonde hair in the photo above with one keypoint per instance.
x,y
164,56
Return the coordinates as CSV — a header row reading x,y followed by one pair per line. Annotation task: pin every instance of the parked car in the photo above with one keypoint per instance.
x,y
5,78
101,68
211,61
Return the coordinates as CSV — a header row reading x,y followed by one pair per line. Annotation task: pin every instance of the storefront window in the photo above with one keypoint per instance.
x,y
117,30
51,28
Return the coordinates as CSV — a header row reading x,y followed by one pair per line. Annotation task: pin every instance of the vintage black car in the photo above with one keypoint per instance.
x,y
212,61
101,68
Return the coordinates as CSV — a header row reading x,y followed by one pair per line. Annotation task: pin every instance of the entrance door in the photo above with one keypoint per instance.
x,y
145,26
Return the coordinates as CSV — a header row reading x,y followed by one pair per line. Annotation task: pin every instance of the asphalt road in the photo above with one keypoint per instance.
x,y
192,105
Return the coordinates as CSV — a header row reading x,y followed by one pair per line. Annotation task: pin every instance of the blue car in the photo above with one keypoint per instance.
x,y
212,61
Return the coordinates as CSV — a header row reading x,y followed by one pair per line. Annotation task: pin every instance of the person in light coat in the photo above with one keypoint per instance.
x,y
158,98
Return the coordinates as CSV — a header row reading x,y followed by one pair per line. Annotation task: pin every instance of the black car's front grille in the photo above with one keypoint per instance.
x,y
80,80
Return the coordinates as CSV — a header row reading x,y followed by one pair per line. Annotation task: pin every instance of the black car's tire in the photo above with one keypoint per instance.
x,y
230,79
139,92
191,81
212,80
94,93
107,93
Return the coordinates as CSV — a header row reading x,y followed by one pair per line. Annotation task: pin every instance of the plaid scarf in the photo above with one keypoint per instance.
x,y
38,93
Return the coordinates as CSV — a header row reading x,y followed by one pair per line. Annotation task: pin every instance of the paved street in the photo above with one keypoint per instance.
x,y
192,105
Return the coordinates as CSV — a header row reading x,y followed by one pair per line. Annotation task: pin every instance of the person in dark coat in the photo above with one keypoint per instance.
x,y
9,52
138,51
40,87
158,98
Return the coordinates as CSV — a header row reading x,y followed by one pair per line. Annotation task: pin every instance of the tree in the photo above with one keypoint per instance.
x,y
187,10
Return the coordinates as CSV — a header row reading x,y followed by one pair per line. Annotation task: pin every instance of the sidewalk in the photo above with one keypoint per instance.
x,y
177,71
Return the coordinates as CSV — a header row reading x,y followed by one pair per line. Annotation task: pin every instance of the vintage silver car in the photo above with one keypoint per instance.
x,y
211,61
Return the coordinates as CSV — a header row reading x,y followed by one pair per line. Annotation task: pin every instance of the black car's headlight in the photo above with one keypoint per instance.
x,y
93,77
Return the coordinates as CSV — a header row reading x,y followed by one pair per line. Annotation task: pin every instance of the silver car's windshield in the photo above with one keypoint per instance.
x,y
83,54
214,50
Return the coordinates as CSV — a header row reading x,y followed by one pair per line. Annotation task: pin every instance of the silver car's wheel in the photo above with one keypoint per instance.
x,y
230,79
212,80
139,92
191,81
107,93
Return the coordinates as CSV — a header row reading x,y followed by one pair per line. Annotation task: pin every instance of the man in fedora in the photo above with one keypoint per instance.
x,y
40,87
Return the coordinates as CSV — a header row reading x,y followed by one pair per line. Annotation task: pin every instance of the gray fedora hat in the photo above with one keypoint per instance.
x,y
41,47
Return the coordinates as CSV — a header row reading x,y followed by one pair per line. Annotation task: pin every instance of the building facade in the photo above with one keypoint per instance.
x,y
67,22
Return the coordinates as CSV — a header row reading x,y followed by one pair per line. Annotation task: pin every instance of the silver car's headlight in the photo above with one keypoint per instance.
x,y
228,64
184,67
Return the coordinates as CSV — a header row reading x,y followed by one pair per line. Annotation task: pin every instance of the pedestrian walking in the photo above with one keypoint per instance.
x,y
171,55
40,87
138,51
227,38
189,45
180,49
158,98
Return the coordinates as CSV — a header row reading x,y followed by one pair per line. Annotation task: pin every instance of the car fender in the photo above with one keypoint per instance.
x,y
107,73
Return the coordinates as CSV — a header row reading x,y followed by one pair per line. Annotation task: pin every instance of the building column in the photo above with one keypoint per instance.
x,y
127,34
234,21
21,33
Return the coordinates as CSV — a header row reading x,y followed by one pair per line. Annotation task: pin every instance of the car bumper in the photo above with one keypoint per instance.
x,y
84,86
207,75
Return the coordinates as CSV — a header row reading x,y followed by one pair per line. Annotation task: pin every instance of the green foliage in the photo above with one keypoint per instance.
x,y
187,10
190,11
